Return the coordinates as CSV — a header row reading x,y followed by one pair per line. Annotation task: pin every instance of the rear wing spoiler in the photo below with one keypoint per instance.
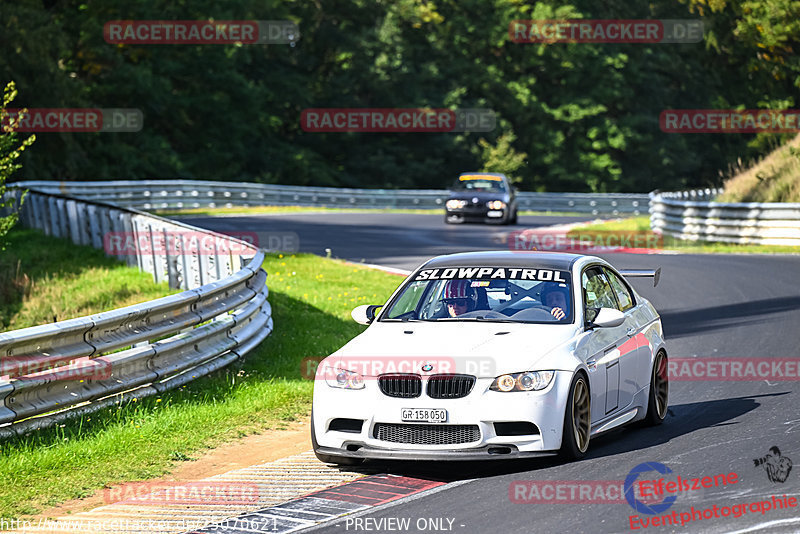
x,y
643,273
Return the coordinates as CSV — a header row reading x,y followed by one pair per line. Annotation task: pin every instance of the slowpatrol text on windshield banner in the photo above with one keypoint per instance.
x,y
494,273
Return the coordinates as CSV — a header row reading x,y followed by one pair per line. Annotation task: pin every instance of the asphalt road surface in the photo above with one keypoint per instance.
x,y
712,306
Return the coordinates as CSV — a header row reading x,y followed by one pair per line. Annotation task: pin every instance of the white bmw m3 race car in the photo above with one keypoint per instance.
x,y
491,355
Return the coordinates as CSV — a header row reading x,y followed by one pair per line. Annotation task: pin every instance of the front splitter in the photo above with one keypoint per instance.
x,y
489,452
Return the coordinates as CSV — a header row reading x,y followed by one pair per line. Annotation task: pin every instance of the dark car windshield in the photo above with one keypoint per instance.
x,y
495,294
479,183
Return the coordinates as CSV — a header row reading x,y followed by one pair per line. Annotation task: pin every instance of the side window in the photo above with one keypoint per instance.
x,y
623,294
597,292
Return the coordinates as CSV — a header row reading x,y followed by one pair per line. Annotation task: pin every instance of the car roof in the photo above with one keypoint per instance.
x,y
502,177
505,258
482,174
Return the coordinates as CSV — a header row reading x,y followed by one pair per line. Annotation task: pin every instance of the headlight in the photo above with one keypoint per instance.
x,y
529,381
455,204
341,378
495,204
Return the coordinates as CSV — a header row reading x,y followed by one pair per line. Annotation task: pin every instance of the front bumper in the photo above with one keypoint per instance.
x,y
481,408
477,214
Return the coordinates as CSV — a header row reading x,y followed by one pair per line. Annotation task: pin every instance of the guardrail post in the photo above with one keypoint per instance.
x,y
73,231
62,228
106,229
95,231
84,229
125,226
171,254
53,228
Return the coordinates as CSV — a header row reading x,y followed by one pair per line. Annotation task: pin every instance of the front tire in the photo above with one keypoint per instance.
x,y
577,420
658,399
330,458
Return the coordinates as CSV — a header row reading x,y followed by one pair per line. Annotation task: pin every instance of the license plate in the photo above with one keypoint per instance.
x,y
424,415
494,214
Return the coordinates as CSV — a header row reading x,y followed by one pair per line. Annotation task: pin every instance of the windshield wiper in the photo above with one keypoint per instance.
x,y
478,319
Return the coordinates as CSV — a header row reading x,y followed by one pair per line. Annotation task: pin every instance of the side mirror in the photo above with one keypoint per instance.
x,y
608,318
365,313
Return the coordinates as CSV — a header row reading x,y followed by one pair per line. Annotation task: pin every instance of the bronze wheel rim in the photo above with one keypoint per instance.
x,y
661,384
580,414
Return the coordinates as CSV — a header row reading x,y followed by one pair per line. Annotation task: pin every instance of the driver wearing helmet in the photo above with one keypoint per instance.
x,y
557,298
459,297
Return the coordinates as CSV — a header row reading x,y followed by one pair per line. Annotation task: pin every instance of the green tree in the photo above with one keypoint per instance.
x,y
9,152
501,157
585,115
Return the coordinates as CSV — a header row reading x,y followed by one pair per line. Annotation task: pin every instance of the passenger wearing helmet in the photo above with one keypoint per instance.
x,y
557,298
459,297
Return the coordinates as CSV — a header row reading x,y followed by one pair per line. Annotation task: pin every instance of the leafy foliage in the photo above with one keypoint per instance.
x,y
570,117
9,153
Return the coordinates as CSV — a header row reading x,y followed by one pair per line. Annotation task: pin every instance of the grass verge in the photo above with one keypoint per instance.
x,y
776,178
311,300
642,225
44,279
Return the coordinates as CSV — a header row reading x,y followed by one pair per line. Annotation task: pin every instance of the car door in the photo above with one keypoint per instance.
x,y
632,351
602,346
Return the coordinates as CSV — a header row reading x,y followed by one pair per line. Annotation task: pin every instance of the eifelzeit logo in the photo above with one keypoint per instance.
x,y
777,467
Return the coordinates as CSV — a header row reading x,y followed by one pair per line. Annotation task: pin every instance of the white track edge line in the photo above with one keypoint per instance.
x,y
384,506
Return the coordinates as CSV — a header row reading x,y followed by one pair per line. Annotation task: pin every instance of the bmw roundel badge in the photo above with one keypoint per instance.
x,y
427,367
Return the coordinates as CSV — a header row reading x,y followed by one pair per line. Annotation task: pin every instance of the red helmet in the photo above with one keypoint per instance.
x,y
458,290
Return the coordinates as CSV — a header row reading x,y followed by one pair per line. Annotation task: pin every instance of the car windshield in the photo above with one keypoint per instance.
x,y
479,183
494,294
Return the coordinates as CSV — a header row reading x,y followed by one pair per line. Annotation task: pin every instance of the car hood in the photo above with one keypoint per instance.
x,y
483,349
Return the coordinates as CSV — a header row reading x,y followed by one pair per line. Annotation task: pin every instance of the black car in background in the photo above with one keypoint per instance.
x,y
481,197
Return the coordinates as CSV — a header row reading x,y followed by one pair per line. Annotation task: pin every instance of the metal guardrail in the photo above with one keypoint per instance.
x,y
185,194
86,363
691,215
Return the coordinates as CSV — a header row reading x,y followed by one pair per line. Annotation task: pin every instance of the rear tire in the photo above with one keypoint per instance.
x,y
658,399
330,458
577,420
